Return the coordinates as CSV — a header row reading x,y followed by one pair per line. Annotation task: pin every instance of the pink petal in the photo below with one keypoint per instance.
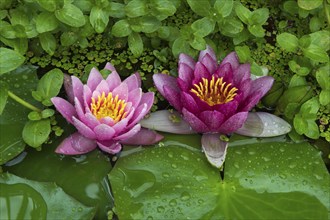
x,y
162,80
208,51
121,91
185,73
107,120
148,98
132,82
258,89
213,119
209,63
226,72
231,58
78,88
262,85
200,72
229,108
173,97
94,79
96,94
110,67
184,86
186,59
87,98
233,123
143,137
128,134
76,144
79,109
194,122
189,103
104,132
83,129
113,80
103,87
166,121
135,96
138,77
65,108
111,147
120,125
214,149
90,120
139,113
242,73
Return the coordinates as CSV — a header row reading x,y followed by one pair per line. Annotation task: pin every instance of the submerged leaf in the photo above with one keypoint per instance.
x,y
27,199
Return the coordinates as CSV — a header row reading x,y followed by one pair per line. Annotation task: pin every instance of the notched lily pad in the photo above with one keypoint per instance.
x,y
27,199
261,180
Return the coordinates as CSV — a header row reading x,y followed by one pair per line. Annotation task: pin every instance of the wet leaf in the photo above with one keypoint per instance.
x,y
261,180
21,81
35,133
27,199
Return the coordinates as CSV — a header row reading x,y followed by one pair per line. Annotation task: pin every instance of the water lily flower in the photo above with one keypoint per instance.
x,y
106,113
214,99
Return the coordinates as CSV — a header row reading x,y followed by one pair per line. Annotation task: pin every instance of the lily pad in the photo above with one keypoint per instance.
x,y
83,177
261,180
27,199
21,82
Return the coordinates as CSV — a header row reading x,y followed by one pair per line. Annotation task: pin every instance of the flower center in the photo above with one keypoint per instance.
x,y
214,91
108,106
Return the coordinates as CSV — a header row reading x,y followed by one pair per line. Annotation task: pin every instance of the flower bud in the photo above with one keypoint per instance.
x,y
294,95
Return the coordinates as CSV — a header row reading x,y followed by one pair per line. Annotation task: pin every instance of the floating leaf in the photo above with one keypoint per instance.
x,y
27,199
261,180
49,86
14,116
35,133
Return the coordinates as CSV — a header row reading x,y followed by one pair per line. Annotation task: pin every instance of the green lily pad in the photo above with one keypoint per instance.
x,y
21,82
83,177
26,199
261,180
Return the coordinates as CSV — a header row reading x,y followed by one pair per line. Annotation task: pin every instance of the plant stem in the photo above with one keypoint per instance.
x,y
22,102
326,12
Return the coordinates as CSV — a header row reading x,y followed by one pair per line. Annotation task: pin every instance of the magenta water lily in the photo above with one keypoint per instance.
x,y
214,99
106,113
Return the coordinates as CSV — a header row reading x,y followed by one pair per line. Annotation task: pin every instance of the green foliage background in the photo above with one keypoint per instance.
x,y
287,39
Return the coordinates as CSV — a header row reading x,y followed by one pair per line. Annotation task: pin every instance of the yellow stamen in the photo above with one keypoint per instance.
x,y
215,91
109,106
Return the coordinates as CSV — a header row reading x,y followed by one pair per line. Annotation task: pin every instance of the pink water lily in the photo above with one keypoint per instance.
x,y
106,113
213,99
